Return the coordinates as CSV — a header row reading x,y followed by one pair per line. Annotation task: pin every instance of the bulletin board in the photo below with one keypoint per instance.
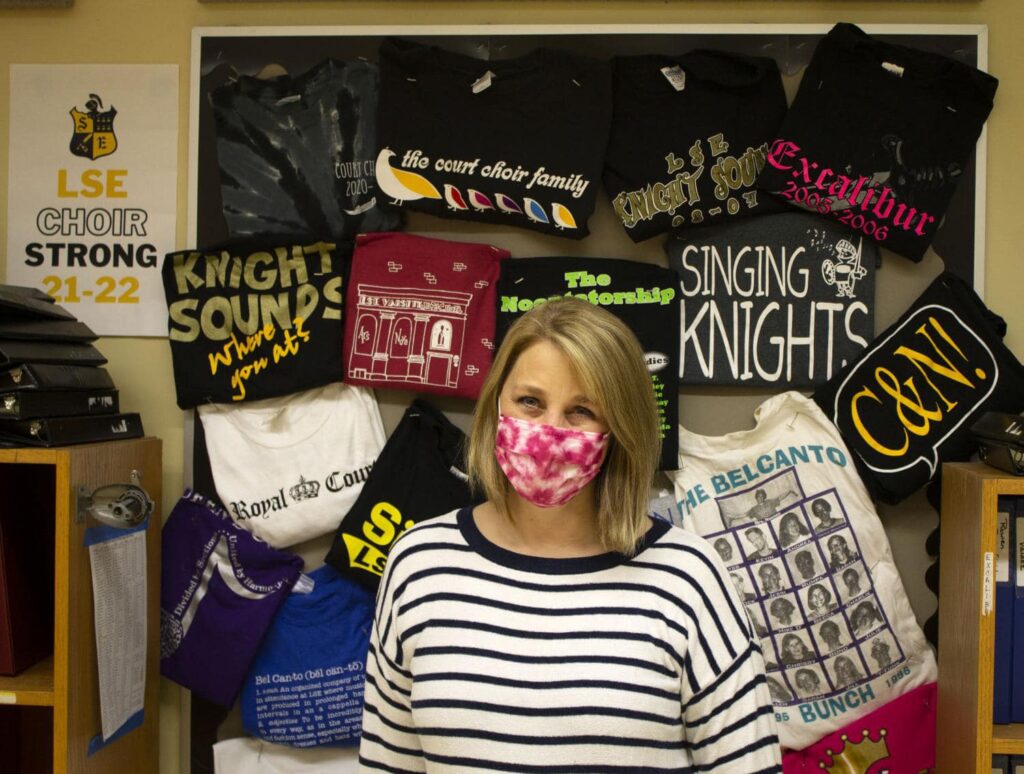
x,y
220,54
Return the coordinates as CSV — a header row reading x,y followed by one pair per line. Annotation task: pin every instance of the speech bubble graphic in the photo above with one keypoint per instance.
x,y
914,388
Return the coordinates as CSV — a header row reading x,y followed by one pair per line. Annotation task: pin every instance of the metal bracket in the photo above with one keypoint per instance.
x,y
119,505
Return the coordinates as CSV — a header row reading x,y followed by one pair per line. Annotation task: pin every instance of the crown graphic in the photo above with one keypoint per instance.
x,y
304,490
857,757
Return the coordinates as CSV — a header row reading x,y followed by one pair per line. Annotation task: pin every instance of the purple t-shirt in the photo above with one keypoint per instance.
x,y
220,587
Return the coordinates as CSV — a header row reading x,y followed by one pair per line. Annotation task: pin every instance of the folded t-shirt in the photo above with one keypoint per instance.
x,y
288,469
255,321
783,506
689,138
219,589
418,475
514,141
421,313
907,404
878,137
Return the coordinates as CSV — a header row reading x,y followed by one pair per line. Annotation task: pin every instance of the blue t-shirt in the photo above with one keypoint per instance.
x,y
305,687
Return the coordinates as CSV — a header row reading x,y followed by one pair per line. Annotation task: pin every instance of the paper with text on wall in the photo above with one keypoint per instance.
x,y
118,560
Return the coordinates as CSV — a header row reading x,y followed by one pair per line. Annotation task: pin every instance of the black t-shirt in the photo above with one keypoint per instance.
x,y
689,137
518,141
296,154
785,300
254,322
908,404
878,137
643,296
418,475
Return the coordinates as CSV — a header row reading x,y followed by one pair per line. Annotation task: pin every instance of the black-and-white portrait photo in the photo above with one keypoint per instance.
x,y
805,564
792,528
771,577
825,514
758,543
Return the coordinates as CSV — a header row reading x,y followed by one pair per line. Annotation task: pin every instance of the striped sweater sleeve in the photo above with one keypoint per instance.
x,y
727,708
389,742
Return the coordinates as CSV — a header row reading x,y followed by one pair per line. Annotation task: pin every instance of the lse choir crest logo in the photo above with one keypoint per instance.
x,y
93,135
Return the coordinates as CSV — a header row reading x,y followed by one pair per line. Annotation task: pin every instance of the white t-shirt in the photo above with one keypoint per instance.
x,y
253,756
288,469
786,510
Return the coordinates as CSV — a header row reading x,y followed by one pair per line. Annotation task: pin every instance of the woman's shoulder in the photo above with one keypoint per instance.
x,y
438,533
686,555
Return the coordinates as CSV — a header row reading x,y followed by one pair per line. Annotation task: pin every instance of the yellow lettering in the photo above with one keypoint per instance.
x,y
866,435
384,516
115,183
890,384
919,360
62,185
362,555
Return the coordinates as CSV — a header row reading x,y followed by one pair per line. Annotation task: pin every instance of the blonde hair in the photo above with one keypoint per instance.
x,y
609,363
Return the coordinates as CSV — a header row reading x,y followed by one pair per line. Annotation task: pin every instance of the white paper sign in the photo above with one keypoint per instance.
x,y
92,189
119,597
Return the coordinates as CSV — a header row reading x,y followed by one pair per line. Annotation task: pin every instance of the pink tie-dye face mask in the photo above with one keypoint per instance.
x,y
547,465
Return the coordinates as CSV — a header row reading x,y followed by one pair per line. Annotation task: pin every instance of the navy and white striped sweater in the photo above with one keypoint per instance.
x,y
482,659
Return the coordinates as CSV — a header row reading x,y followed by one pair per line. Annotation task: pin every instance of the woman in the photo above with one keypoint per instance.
x,y
839,553
819,601
792,529
795,650
555,626
846,672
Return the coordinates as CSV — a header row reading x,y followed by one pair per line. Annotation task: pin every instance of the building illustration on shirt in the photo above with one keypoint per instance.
x,y
408,335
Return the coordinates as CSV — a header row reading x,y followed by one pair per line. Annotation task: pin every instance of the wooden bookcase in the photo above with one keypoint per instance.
x,y
967,738
66,683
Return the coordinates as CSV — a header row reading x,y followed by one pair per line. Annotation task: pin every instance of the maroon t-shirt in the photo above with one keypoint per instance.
x,y
420,313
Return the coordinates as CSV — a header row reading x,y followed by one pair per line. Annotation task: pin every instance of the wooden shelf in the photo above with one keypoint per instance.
x,y
33,687
67,684
967,738
1008,739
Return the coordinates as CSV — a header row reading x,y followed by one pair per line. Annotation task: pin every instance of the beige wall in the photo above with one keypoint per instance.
x,y
158,31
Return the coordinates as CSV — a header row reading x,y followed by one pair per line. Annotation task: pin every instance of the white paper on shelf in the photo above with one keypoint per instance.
x,y
119,598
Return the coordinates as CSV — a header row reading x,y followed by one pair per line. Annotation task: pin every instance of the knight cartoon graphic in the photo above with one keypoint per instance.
x,y
846,270
93,135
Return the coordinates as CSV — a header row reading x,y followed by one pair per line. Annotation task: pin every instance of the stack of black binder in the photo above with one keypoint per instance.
x,y
53,390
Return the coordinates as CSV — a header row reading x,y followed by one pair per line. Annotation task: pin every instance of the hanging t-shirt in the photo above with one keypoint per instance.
x,y
785,300
418,475
296,154
515,141
288,469
907,404
245,755
785,509
689,137
642,295
305,688
878,137
219,590
254,322
900,736
421,314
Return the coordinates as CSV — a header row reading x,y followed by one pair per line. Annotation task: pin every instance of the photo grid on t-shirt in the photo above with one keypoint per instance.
x,y
797,565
